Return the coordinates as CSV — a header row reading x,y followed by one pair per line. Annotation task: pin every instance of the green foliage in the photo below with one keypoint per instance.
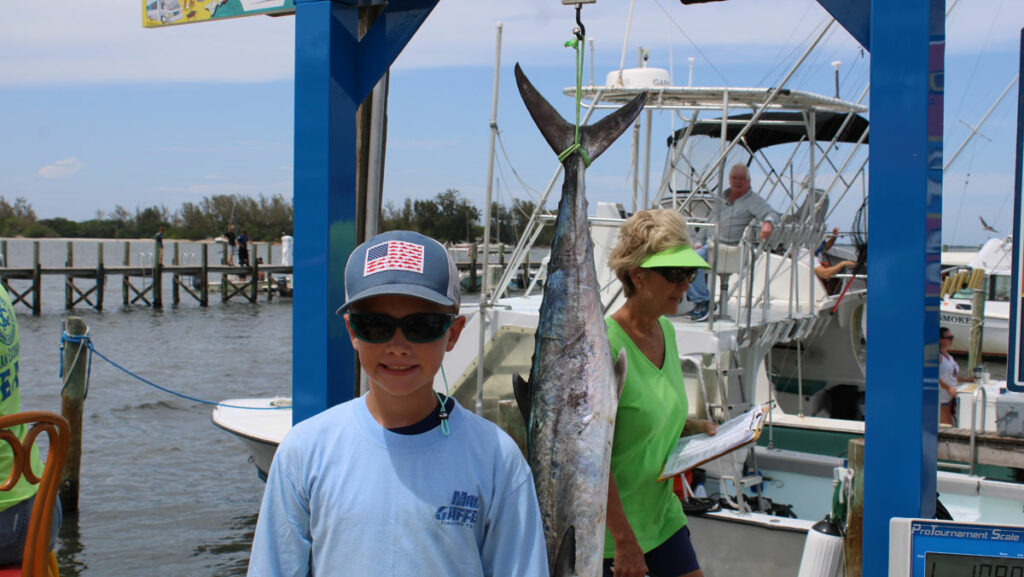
x,y
448,217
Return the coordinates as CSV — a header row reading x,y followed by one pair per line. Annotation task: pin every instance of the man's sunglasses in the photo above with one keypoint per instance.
x,y
677,275
418,328
950,337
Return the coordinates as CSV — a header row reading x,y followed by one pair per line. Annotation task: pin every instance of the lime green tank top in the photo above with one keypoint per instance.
x,y
10,402
652,410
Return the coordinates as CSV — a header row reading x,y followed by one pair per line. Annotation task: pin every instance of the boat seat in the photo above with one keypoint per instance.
x,y
38,560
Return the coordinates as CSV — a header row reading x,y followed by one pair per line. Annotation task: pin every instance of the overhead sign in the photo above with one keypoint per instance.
x,y
1015,356
157,13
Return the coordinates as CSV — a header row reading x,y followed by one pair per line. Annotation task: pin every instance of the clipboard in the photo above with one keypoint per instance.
x,y
695,450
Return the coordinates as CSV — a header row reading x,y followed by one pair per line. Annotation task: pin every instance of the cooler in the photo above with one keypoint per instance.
x,y
1010,414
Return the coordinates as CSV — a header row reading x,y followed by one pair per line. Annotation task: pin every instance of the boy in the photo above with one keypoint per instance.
x,y
402,481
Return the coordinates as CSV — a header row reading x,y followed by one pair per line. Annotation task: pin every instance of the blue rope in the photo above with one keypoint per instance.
x,y
87,343
66,338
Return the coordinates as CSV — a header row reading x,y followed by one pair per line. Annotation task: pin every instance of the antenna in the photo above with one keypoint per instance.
x,y
835,65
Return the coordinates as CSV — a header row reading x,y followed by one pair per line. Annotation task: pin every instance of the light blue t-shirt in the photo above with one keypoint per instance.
x,y
346,496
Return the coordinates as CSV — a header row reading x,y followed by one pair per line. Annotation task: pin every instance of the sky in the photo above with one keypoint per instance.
x,y
97,112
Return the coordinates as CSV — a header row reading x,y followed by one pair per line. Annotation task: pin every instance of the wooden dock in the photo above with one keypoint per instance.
x,y
84,285
991,449
143,284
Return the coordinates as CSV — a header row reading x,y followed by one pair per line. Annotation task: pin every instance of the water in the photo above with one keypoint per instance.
x,y
163,491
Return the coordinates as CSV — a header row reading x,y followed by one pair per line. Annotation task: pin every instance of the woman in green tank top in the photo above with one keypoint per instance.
x,y
647,534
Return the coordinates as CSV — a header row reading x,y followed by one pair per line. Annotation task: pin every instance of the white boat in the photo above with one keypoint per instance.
x,y
995,258
260,424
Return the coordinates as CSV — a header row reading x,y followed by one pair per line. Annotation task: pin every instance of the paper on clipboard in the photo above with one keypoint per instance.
x,y
695,450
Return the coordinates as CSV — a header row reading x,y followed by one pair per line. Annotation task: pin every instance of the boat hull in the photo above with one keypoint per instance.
x,y
956,315
259,424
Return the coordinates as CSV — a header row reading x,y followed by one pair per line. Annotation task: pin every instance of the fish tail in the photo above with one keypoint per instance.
x,y
560,134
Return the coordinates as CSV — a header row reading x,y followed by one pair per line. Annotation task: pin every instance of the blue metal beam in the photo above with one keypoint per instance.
x,y
854,15
907,51
334,72
1015,360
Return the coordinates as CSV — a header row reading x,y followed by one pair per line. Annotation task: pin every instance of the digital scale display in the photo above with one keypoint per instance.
x,y
951,565
932,548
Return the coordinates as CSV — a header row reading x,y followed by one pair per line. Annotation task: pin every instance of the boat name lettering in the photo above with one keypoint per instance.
x,y
946,318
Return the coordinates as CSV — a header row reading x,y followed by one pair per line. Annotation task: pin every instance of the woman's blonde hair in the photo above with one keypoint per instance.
x,y
646,233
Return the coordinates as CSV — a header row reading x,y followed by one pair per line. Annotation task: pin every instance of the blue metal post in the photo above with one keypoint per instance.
x,y
905,216
854,15
334,71
1015,360
325,156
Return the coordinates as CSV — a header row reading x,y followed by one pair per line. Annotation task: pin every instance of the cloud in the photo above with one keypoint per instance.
x,y
61,169
74,42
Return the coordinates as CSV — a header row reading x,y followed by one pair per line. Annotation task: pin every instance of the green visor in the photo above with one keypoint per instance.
x,y
682,256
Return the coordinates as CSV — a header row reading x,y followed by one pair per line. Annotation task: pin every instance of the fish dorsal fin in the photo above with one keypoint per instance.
x,y
523,392
565,558
560,134
620,372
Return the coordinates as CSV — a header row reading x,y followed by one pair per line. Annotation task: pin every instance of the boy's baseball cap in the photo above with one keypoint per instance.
x,y
680,256
401,262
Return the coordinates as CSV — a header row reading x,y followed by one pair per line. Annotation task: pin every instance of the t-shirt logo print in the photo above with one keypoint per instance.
x,y
463,511
394,255
7,326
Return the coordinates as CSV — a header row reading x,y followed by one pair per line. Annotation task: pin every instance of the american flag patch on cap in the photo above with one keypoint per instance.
x,y
394,255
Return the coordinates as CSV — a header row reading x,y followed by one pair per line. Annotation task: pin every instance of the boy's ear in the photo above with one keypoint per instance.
x,y
351,335
453,332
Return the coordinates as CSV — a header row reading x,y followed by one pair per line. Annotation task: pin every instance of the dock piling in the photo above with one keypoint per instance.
x,y
853,542
204,300
37,281
74,361
978,286
69,281
158,276
176,279
124,278
101,277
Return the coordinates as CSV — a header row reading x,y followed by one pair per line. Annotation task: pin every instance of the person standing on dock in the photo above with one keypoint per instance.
x,y
404,480
949,379
243,248
16,504
230,236
160,237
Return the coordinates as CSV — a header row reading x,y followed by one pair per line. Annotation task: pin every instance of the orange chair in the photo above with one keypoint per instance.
x,y
38,560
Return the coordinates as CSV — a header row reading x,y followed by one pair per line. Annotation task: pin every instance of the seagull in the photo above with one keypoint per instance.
x,y
985,225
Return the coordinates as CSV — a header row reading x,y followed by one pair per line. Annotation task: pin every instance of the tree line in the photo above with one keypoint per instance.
x,y
448,217
264,218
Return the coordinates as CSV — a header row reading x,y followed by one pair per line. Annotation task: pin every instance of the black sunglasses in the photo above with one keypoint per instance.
x,y
677,275
418,328
950,337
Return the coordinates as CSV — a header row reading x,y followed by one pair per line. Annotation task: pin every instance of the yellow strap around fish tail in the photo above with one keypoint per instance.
x,y
577,45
